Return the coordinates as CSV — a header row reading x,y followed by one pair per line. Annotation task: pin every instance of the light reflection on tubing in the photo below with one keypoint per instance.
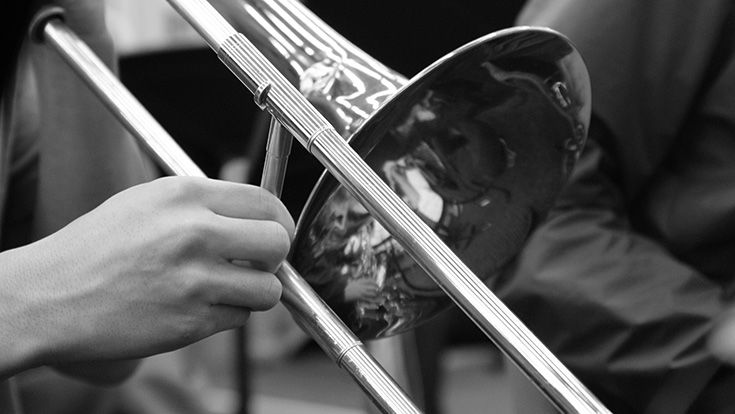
x,y
288,32
333,46
278,40
325,48
355,81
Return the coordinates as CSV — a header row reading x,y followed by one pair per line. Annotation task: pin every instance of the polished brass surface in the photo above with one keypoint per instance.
x,y
478,145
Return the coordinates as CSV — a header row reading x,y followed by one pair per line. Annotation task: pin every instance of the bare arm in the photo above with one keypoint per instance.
x,y
148,271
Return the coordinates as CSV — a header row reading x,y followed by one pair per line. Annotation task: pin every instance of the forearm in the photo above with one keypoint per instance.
x,y
33,319
30,337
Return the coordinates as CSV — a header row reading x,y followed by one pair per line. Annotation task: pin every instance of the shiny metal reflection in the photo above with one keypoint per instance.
x,y
344,84
478,145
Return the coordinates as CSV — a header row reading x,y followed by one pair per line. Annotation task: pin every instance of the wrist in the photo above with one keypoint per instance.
x,y
22,342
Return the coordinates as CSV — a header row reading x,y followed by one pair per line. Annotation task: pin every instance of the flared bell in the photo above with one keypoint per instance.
x,y
478,144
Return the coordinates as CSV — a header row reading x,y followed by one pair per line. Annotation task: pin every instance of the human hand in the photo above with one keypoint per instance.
x,y
148,271
361,289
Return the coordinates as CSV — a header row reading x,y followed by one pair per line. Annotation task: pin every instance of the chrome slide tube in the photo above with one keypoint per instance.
x,y
340,343
308,309
278,148
282,100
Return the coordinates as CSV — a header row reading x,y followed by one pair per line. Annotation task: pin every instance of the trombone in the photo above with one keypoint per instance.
x,y
274,93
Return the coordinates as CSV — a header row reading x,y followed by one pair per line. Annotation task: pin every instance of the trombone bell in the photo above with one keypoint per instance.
x,y
478,145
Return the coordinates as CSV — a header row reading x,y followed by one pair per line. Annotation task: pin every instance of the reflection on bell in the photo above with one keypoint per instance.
x,y
478,145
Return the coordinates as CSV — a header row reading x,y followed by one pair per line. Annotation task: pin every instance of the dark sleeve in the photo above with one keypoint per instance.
x,y
624,315
648,63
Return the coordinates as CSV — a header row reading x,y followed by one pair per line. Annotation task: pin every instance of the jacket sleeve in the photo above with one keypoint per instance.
x,y
615,306
611,300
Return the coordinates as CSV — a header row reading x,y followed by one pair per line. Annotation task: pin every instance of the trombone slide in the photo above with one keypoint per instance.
x,y
311,312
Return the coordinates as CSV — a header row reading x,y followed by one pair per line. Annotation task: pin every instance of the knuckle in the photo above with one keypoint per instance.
x,y
190,288
180,188
193,234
